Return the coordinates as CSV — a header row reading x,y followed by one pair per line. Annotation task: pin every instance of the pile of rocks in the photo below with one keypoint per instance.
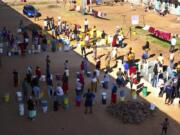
x,y
130,111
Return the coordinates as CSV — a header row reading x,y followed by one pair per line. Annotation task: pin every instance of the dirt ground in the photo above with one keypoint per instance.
x,y
74,121
114,14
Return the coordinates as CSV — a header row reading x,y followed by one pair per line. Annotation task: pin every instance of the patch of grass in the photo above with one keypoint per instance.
x,y
146,35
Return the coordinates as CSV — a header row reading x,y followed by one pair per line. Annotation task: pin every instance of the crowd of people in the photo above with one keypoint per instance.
x,y
165,78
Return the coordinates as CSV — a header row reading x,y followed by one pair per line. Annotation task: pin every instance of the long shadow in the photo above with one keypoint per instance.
x,y
21,17
152,55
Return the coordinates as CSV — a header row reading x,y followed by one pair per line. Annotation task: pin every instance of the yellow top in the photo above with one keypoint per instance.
x,y
121,32
82,43
178,67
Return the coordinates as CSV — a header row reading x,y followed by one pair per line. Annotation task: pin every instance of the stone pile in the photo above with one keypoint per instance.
x,y
130,111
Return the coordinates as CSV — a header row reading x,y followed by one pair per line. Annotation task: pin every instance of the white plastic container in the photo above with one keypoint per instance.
x,y
21,109
19,96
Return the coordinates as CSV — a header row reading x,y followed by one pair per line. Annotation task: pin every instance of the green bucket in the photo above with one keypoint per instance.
x,y
144,91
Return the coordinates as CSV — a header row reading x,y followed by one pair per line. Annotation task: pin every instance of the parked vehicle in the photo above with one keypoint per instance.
x,y
31,11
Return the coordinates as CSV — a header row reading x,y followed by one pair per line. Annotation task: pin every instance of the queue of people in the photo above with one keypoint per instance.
x,y
128,73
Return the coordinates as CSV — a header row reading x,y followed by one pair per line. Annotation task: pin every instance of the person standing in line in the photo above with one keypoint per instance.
x,y
89,96
98,64
86,65
155,77
78,87
94,82
160,60
108,61
173,44
25,89
171,59
50,88
15,78
86,24
38,72
48,61
48,74
95,52
105,81
31,109
65,83
59,94
81,78
29,74
83,47
165,125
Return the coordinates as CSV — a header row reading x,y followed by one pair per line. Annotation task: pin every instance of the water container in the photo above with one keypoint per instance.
x,y
144,91
19,96
44,104
104,98
21,109
78,100
122,95
113,98
126,66
66,102
134,95
7,98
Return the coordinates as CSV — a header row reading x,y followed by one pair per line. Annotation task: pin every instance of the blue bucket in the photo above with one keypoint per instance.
x,y
44,103
78,98
122,93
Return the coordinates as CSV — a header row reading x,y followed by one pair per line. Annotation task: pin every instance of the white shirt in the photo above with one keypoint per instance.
x,y
59,23
160,83
120,38
94,79
87,38
86,22
97,73
106,78
171,56
45,23
173,41
78,85
113,53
